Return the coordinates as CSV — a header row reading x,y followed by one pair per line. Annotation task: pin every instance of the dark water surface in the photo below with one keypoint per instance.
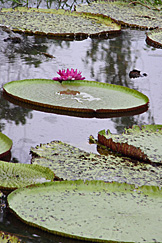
x,y
104,60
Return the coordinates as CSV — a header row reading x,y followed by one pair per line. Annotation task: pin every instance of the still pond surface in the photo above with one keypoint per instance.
x,y
105,60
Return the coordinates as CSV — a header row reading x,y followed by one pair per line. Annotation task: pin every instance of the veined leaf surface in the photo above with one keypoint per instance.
x,y
13,176
140,143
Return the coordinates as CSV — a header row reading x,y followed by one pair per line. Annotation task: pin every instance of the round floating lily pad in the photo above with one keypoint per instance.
x,y
141,143
71,163
13,176
93,211
85,97
137,15
57,23
5,145
154,38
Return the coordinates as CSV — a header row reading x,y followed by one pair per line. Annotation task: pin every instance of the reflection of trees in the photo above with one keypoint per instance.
x,y
30,49
113,57
10,112
64,4
129,121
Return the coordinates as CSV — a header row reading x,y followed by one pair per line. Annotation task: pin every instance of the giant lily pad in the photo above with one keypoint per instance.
x,y
5,145
126,14
88,98
141,143
93,211
71,163
154,38
57,23
13,176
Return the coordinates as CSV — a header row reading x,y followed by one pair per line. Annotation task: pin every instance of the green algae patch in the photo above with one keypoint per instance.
x,y
71,163
126,14
88,98
140,143
57,23
154,38
92,211
13,176
9,238
5,145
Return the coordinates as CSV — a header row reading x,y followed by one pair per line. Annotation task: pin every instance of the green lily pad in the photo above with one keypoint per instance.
x,y
13,176
9,238
71,163
126,14
154,38
88,98
140,143
57,23
93,211
5,145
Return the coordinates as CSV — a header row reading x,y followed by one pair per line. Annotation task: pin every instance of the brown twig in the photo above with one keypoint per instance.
x,y
134,2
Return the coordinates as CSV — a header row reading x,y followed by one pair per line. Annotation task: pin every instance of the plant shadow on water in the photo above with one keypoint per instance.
x,y
104,60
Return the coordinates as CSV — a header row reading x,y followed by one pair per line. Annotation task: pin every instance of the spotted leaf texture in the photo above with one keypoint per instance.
x,y
71,163
126,14
57,23
94,211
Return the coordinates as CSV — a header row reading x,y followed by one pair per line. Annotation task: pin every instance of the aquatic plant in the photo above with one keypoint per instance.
x,y
133,15
91,211
16,175
142,143
78,98
68,75
61,157
5,145
154,38
57,23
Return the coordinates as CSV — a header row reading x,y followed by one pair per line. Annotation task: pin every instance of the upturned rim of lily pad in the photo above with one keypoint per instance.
x,y
151,38
109,26
79,111
5,145
79,209
17,175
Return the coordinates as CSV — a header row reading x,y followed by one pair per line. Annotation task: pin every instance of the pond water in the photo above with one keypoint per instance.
x,y
105,60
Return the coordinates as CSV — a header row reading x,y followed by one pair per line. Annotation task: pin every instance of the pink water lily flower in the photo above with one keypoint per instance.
x,y
68,75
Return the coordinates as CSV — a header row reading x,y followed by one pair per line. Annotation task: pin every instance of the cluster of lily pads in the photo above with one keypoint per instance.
x,y
120,188
112,188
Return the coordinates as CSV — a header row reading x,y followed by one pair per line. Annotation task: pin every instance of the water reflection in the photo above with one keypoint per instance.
x,y
103,60
107,60
10,113
62,4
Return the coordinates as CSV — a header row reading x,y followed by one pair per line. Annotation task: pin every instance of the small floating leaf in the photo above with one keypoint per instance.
x,y
71,163
141,143
89,98
93,211
5,145
14,176
57,23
